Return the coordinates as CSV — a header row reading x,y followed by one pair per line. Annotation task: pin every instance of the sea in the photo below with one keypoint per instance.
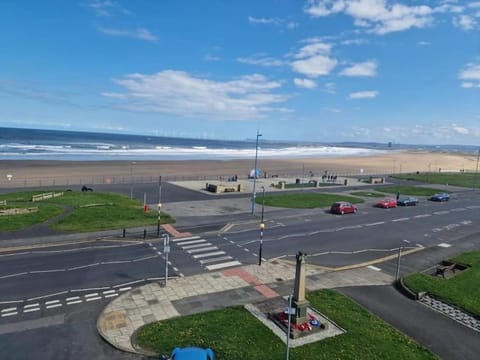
x,y
35,144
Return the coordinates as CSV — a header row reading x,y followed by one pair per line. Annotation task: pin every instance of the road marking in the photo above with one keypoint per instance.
x,y
159,253
31,310
190,242
407,241
154,248
52,302
125,289
31,305
374,268
185,238
110,295
13,275
444,245
466,222
94,298
202,250
401,219
72,298
108,291
215,253
53,306
9,309
208,261
459,209
91,295
443,212
175,269
422,216
473,207
349,227
437,229
10,314
376,223
74,302
195,246
223,265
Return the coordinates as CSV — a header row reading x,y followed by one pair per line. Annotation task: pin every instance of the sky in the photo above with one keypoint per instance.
x,y
314,70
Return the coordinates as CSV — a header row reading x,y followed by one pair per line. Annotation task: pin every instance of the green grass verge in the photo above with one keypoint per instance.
x,y
411,190
468,180
91,211
234,334
306,200
368,194
461,290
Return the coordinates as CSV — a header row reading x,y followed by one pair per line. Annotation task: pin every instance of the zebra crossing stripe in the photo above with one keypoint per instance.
x,y
215,253
185,238
208,261
202,249
195,246
190,242
223,265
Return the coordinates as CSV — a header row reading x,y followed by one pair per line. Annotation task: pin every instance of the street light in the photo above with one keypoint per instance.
x,y
254,195
159,207
262,226
475,183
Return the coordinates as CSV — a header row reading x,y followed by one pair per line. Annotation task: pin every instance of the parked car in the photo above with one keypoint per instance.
x,y
192,353
407,201
343,207
387,203
440,197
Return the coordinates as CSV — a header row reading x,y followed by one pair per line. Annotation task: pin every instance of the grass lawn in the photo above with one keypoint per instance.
x,y
368,194
305,200
304,185
462,290
234,334
410,190
91,211
458,179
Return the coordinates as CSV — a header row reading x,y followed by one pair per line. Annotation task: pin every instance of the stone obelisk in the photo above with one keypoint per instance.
x,y
299,302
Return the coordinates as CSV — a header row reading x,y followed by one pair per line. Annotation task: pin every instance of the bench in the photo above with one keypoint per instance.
x,y
444,268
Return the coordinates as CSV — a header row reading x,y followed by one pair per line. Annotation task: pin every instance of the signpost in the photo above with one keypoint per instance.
x,y
166,251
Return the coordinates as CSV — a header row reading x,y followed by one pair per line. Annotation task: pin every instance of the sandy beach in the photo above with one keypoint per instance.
x,y
44,173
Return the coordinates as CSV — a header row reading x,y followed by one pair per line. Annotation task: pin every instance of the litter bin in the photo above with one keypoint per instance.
x,y
345,182
297,181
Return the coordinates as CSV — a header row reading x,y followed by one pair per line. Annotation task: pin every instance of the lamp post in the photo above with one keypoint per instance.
x,y
131,179
262,226
159,207
254,195
476,172
397,272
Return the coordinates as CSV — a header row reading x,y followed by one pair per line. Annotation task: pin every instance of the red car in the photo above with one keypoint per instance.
x,y
342,207
387,203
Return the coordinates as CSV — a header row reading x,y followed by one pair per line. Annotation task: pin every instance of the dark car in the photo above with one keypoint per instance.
x,y
342,207
440,197
407,201
192,353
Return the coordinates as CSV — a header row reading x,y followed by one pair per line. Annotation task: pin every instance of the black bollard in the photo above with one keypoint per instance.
x,y
124,232
144,233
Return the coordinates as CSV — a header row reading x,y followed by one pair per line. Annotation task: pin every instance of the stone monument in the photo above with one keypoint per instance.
x,y
299,302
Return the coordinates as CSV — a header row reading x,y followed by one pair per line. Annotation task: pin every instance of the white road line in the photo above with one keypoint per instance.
x,y
53,306
444,245
185,238
13,275
401,219
110,295
145,258
74,302
159,253
46,271
82,266
176,269
215,253
72,298
223,265
407,241
458,209
473,207
31,309
128,283
422,216
31,305
125,289
91,295
196,246
94,298
191,242
202,250
376,223
154,248
10,314
108,291
441,212
9,309
349,227
208,261
374,268
46,296
52,302
247,250
231,241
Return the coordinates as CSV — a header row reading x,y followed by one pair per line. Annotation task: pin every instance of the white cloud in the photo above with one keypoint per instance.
x,y
273,21
465,22
305,83
140,33
180,93
364,94
354,42
460,129
367,68
377,16
104,8
333,110
330,88
316,48
423,43
261,59
315,66
210,57
470,75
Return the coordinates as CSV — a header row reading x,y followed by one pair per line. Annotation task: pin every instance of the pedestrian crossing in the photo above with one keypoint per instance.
x,y
208,255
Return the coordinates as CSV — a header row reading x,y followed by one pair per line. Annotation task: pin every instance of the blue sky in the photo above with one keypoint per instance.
x,y
318,70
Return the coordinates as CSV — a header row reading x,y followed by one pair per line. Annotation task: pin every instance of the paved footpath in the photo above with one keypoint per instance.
x,y
209,291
